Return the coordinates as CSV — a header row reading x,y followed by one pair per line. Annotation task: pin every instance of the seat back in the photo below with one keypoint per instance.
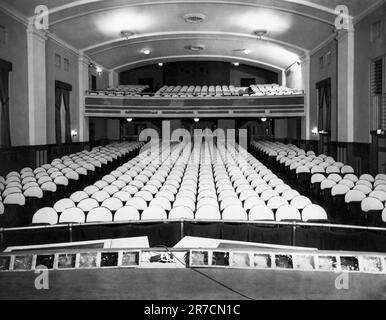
x,y
126,213
100,214
45,216
288,212
72,215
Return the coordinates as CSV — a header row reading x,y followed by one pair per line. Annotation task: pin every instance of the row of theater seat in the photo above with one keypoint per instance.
x,y
346,197
218,91
121,91
22,193
272,90
203,182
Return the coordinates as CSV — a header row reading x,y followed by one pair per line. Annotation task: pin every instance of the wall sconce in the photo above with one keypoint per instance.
x,y
99,70
324,133
74,133
315,131
146,51
380,132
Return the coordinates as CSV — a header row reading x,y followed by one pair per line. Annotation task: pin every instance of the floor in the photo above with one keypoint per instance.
x,y
191,284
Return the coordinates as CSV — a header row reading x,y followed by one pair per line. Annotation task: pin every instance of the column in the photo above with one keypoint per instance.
x,y
305,71
37,95
84,62
346,85
113,79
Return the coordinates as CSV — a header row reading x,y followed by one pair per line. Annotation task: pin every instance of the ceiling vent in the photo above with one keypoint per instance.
x,y
194,17
198,47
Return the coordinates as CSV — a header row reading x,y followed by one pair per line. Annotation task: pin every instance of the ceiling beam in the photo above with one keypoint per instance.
x,y
185,35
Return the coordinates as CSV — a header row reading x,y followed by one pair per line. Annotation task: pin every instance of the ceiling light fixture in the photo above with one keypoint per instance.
x,y
194,17
146,51
263,119
236,64
198,47
196,119
126,34
247,51
260,33
129,119
160,64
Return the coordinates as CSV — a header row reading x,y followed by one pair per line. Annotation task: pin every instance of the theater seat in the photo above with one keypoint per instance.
x,y
288,213
207,212
45,216
72,215
372,209
234,213
100,214
127,213
154,213
181,213
314,213
261,213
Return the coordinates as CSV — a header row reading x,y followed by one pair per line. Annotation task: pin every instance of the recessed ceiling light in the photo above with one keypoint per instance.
x,y
194,17
160,64
146,51
197,47
236,64
98,69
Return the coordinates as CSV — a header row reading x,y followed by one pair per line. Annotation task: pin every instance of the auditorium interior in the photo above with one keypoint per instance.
x,y
229,149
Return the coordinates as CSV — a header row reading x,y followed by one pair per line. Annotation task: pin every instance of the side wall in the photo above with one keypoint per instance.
x,y
15,51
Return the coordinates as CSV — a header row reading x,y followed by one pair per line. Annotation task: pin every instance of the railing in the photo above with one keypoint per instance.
x,y
251,106
169,232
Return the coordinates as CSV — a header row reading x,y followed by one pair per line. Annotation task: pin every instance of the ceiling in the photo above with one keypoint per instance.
x,y
294,27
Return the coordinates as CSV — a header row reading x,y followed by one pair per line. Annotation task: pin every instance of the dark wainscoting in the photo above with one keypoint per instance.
x,y
17,158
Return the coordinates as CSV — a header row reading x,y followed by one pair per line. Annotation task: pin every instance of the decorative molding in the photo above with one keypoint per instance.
x,y
13,13
368,11
39,34
244,4
62,43
322,44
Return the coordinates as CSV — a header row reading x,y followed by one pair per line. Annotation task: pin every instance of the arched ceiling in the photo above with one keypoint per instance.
x,y
294,27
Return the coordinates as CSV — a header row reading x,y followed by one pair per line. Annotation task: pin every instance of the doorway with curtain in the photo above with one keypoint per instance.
x,y
324,115
62,112
5,129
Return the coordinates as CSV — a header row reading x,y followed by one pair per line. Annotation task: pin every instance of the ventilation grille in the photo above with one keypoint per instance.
x,y
194,17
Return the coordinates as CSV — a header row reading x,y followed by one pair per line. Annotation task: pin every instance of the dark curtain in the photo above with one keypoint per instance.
x,y
324,101
66,102
58,100
5,68
327,96
321,102
62,90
